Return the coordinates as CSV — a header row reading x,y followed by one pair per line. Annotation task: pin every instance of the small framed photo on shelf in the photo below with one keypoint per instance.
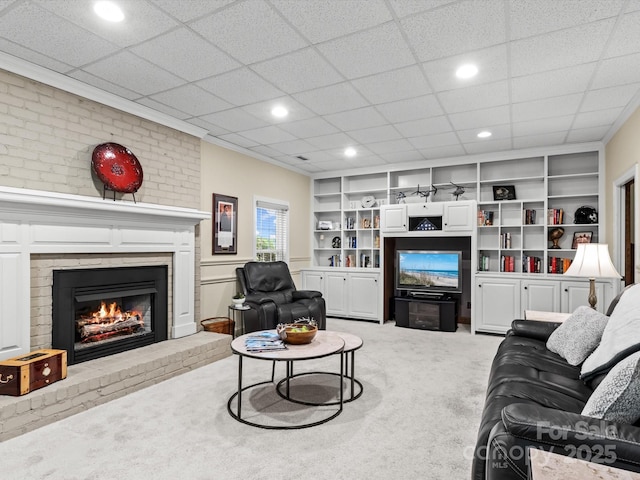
x,y
504,192
581,237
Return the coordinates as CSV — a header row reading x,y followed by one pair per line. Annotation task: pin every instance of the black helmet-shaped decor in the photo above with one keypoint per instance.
x,y
585,215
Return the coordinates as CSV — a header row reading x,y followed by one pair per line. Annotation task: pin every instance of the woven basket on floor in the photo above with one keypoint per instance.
x,y
218,325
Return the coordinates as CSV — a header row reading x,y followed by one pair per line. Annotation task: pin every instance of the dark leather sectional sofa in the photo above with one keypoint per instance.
x,y
534,400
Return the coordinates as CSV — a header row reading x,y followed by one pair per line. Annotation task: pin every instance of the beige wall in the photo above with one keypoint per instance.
x,y
234,174
622,153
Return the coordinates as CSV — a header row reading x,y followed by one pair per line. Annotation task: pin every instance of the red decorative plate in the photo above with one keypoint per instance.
x,y
117,167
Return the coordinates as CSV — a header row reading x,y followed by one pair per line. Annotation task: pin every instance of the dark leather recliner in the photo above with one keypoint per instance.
x,y
269,289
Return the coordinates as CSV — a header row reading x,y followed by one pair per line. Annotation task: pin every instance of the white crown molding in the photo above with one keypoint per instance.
x,y
71,85
622,118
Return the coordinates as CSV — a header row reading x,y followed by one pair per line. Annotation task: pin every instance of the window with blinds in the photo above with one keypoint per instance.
x,y
272,231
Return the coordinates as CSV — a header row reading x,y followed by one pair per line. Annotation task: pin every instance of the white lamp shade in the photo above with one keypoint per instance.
x,y
592,260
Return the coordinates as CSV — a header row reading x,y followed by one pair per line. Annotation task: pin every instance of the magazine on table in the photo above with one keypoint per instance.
x,y
264,342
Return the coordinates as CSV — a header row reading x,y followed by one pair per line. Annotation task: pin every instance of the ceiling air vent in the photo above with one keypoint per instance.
x,y
302,158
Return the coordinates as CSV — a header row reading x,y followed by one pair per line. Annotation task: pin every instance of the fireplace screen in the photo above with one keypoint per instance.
x,y
97,312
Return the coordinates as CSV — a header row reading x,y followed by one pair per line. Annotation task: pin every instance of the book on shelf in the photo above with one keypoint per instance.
x,y
507,263
505,240
264,342
555,216
334,261
350,261
558,264
529,217
483,263
485,218
531,264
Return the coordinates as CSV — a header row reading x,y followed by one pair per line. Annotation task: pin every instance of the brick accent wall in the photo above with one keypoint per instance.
x,y
42,267
47,137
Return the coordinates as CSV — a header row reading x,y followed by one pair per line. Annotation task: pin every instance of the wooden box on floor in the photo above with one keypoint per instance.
x,y
218,325
25,373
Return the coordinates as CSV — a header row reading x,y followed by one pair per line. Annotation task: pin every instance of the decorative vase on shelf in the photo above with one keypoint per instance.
x,y
555,234
238,301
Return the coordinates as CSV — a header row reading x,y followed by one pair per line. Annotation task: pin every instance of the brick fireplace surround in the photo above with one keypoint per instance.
x,y
40,231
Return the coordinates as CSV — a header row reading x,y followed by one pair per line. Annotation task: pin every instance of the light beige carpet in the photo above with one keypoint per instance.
x,y
417,419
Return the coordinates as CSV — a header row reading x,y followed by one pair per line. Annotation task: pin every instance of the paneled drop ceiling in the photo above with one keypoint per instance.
x,y
376,75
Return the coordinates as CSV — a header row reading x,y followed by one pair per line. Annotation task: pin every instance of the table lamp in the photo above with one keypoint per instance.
x,y
592,260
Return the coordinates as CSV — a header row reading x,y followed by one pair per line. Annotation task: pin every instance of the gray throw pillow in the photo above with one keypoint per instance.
x,y
578,335
617,398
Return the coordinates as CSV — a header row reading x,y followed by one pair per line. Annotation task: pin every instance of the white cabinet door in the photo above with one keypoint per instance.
x,y
497,304
393,218
336,293
540,295
363,295
313,281
575,294
458,216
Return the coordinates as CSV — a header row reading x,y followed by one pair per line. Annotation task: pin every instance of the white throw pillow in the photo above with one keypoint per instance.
x,y
617,398
578,335
621,336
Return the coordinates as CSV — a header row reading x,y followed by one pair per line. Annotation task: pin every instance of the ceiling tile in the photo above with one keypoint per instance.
x,y
404,8
552,84
390,147
331,99
442,151
550,107
321,21
481,118
186,62
262,110
491,63
424,126
368,52
310,127
625,39
597,118
192,99
617,71
456,28
268,36
185,11
533,141
431,141
411,109
375,134
357,119
411,155
161,107
76,47
142,20
33,57
609,97
475,98
298,71
336,140
594,134
395,85
240,87
234,120
543,16
214,130
133,73
236,139
102,84
293,147
265,150
560,49
486,147
268,135
498,132
543,126
369,161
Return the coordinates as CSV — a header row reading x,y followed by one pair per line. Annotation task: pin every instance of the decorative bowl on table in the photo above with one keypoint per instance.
x,y
297,333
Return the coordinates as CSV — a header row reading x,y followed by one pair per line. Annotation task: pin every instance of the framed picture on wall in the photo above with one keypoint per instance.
x,y
504,192
581,237
225,224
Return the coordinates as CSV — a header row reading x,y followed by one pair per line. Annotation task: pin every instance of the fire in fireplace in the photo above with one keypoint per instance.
x,y
98,312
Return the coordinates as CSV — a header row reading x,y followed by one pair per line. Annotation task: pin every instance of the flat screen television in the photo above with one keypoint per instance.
x,y
429,271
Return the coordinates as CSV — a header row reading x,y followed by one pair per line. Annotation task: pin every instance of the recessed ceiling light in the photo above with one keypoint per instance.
x,y
467,71
350,152
484,134
108,11
279,111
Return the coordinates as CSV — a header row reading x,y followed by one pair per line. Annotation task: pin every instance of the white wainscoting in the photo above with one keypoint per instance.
x,y
45,222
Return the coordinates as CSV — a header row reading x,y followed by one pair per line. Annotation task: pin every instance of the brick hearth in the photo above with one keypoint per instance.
x,y
98,381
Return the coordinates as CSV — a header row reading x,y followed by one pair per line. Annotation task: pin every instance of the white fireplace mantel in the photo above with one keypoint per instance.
x,y
37,222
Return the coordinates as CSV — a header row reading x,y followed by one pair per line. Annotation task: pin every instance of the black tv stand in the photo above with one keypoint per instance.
x,y
429,295
427,313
